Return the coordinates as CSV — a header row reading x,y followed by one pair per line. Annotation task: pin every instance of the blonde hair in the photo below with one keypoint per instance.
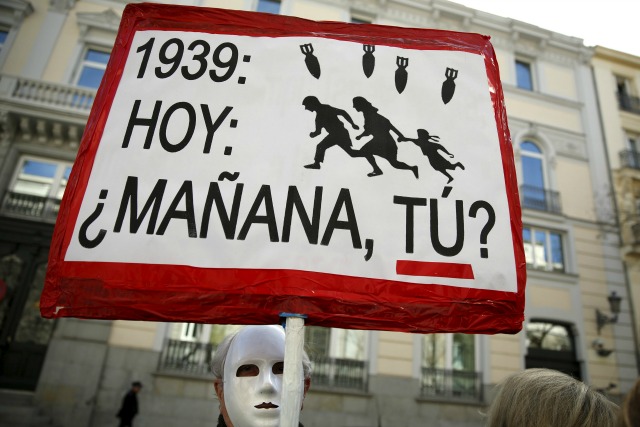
x,y
630,413
548,398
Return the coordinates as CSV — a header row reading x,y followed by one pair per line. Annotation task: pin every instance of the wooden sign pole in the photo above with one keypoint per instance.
x,y
293,376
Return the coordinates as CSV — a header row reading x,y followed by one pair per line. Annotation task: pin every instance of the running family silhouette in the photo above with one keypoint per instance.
x,y
381,144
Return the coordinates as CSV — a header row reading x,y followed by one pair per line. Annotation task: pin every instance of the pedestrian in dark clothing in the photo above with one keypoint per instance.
x,y
129,408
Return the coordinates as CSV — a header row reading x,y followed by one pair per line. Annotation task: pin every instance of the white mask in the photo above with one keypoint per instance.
x,y
253,376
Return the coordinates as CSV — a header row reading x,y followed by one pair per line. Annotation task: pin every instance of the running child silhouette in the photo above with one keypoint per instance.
x,y
432,150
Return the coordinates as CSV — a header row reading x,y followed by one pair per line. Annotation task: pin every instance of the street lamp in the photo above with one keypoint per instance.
x,y
614,304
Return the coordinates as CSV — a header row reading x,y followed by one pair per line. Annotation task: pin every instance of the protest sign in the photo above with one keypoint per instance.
x,y
237,165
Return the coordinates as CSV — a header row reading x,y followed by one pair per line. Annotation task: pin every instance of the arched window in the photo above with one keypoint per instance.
x,y
534,189
533,176
551,345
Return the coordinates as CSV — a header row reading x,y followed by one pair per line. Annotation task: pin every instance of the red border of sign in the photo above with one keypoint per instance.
x,y
235,296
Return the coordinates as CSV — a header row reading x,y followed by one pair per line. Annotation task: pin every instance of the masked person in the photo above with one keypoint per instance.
x,y
248,368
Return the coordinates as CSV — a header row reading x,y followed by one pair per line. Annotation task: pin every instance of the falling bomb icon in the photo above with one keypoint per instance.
x,y
310,60
449,85
401,73
368,60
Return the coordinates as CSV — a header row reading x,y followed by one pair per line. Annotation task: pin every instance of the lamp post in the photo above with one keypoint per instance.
x,y
614,305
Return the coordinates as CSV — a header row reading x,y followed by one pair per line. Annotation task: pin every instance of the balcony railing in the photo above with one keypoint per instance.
x,y
540,199
27,205
451,384
630,159
194,358
628,103
340,373
46,94
187,357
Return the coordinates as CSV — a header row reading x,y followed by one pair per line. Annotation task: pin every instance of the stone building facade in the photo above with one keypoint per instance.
x,y
52,56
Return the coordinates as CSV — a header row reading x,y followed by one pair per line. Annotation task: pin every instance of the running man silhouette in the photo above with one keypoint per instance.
x,y
327,117
431,150
382,143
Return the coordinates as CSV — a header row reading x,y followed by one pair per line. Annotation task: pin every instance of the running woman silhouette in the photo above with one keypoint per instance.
x,y
431,150
382,143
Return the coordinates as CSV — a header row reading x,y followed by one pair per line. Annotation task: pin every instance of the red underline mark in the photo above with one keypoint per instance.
x,y
434,269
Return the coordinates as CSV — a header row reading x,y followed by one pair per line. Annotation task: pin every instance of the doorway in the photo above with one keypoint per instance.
x,y
24,334
551,345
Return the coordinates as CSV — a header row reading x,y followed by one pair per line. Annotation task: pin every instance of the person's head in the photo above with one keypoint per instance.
x,y
423,134
630,411
248,367
136,386
311,103
548,398
361,104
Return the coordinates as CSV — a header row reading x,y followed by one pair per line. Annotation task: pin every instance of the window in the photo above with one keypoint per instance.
x,y
269,6
627,101
622,90
37,187
339,357
191,332
535,194
533,166
543,249
633,141
449,366
204,333
549,336
449,351
551,345
631,156
533,176
335,342
12,15
190,347
3,38
361,18
524,76
92,68
40,177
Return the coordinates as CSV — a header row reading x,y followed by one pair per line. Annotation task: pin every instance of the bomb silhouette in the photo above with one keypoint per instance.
x,y
368,60
449,86
310,60
401,73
